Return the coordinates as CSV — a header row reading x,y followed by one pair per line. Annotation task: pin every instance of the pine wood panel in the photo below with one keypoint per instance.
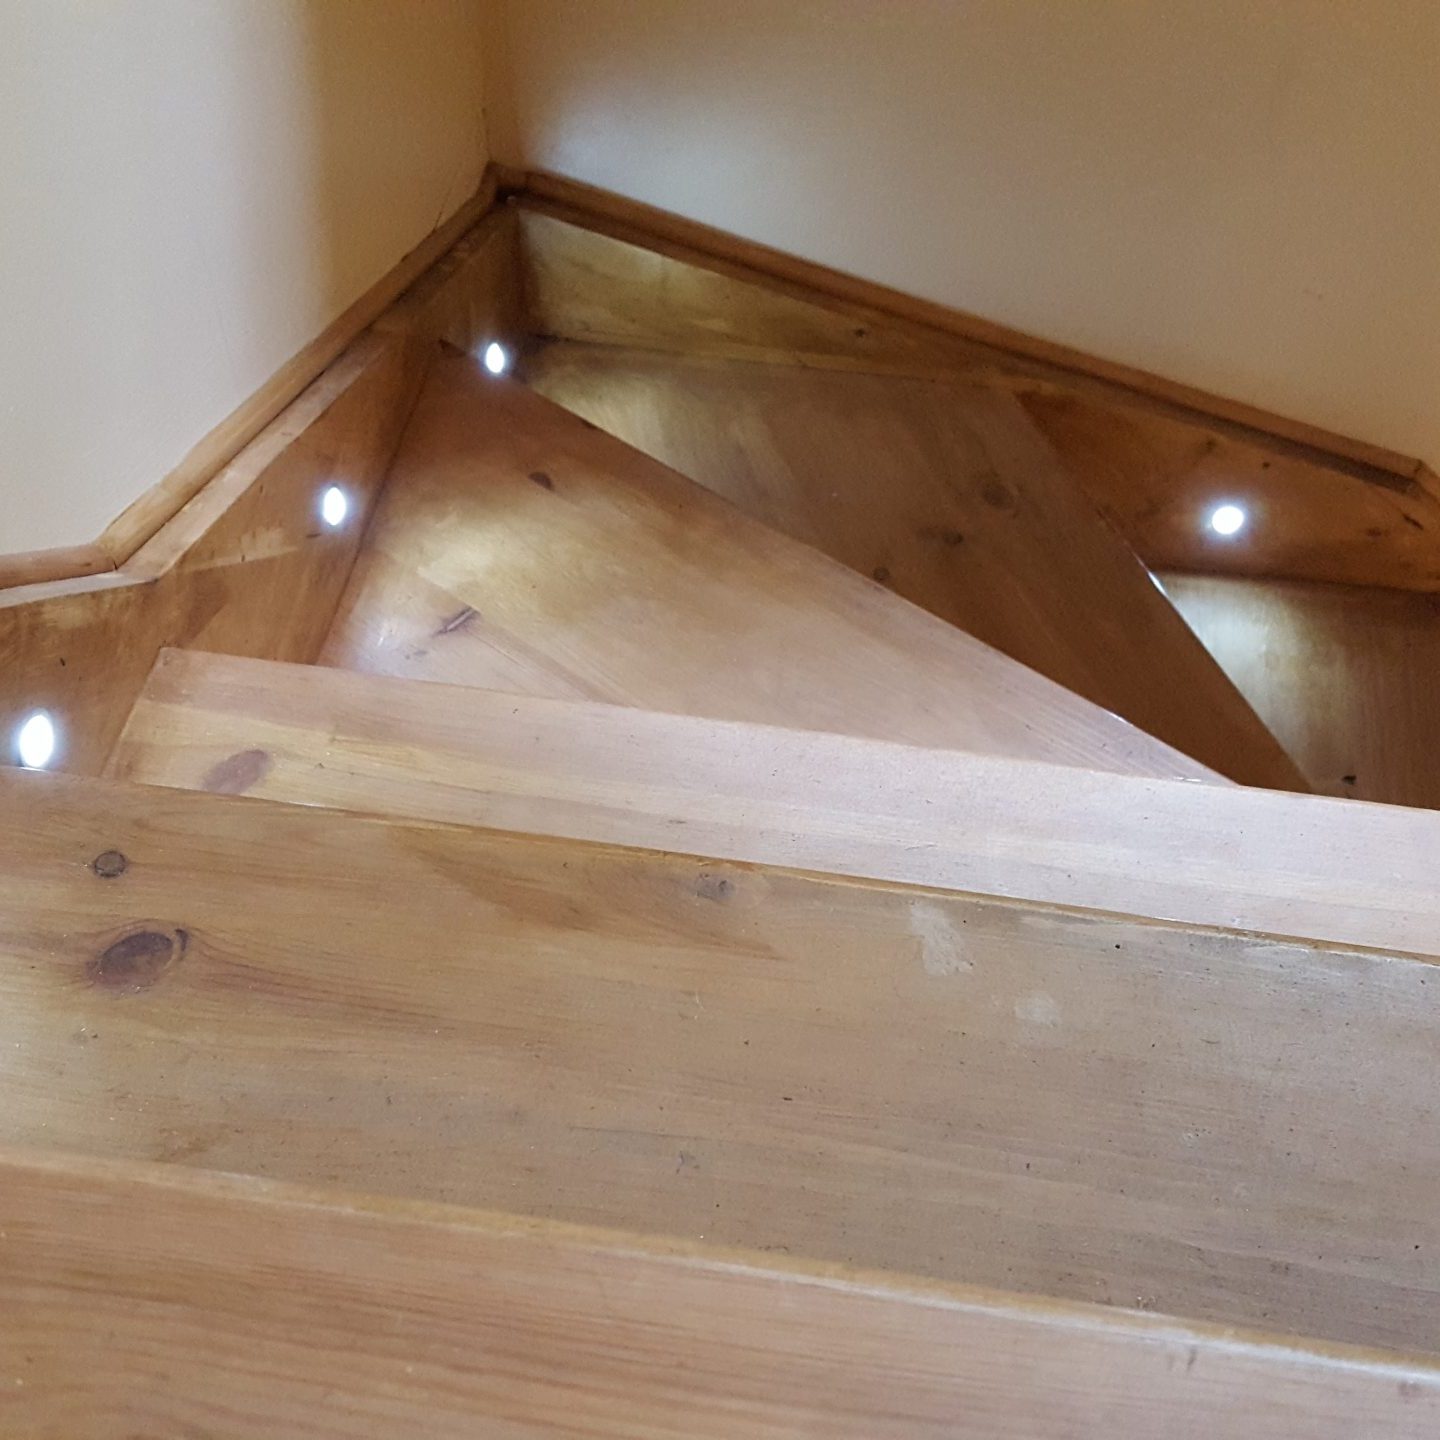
x,y
1245,859
519,547
246,566
1348,678
35,567
946,493
1213,1125
628,221
151,512
471,294
140,1302
581,283
143,520
1323,508
1158,480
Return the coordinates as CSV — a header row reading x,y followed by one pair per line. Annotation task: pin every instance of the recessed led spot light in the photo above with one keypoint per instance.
x,y
35,741
334,506
496,358
1227,520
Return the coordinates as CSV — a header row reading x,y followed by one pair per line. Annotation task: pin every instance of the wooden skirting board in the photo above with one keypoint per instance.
x,y
258,1305
141,521
495,282
245,564
66,562
912,333
727,255
1322,510
1158,480
1224,1127
519,547
1249,860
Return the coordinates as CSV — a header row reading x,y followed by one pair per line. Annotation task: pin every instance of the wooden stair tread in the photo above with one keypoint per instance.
x,y
490,1321
1217,1126
1264,861
518,546
1156,463
945,491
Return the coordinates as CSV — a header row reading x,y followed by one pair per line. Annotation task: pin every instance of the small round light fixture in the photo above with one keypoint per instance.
x,y
334,506
35,741
496,358
1227,520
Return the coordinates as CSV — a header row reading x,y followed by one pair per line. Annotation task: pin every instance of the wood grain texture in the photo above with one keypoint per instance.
x,y
246,566
1206,1124
471,294
1348,678
632,222
1158,480
1249,860
948,494
519,547
142,520
37,567
588,284
1155,469
260,1307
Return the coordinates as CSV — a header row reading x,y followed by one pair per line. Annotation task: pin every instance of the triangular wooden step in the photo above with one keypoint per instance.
x,y
1252,860
517,546
1219,1126
944,490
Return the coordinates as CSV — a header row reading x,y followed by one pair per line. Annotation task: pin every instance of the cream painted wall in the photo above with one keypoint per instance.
x,y
190,190
1243,196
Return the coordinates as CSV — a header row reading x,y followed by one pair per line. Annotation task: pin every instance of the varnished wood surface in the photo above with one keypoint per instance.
x,y
519,547
1156,468
471,294
143,520
630,222
1349,678
145,1302
947,493
587,284
1159,480
38,567
1219,1126
246,566
1245,859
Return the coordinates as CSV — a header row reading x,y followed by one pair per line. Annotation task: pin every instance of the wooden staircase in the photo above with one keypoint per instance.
x,y
521,548
803,942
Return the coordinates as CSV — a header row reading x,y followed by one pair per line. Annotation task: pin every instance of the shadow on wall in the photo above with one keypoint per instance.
x,y
190,191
